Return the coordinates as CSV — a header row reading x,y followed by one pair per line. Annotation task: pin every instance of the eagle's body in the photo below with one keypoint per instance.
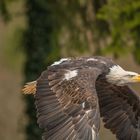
x,y
73,93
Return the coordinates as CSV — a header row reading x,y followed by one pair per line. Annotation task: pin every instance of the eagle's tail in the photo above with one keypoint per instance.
x,y
29,88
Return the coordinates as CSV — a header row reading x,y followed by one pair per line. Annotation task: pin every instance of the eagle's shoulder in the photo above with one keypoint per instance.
x,y
99,62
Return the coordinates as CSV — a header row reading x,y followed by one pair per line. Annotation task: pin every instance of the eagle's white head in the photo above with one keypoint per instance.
x,y
118,76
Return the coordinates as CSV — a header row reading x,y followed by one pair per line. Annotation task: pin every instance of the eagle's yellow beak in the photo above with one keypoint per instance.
x,y
136,78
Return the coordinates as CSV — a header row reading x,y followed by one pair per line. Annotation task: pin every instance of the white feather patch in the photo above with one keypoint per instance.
x,y
70,74
88,111
95,60
83,105
60,61
94,136
92,59
103,62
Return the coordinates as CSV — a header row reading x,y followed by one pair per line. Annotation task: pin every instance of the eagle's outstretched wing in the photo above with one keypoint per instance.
x,y
67,104
120,109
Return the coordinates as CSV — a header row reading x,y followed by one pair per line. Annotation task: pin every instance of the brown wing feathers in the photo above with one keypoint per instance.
x,y
50,116
60,107
120,109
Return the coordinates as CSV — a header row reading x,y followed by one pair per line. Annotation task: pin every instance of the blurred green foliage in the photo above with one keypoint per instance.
x,y
77,31
123,18
3,10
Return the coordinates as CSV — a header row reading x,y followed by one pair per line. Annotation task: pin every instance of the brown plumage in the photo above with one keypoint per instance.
x,y
71,95
120,109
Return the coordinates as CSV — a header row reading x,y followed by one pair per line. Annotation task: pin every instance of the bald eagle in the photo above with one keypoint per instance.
x,y
73,93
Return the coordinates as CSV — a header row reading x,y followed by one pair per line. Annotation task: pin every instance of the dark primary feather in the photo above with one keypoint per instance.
x,y
120,109
68,109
